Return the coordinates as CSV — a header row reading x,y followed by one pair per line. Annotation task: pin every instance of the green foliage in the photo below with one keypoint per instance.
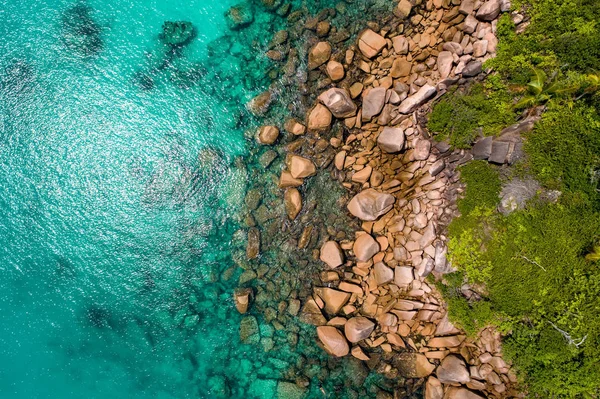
x,y
461,117
541,89
564,149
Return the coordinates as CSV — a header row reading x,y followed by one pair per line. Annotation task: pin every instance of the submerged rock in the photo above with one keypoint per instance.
x,y
178,33
239,16
241,297
249,331
80,32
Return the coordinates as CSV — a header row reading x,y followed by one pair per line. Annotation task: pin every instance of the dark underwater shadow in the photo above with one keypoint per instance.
x,y
80,32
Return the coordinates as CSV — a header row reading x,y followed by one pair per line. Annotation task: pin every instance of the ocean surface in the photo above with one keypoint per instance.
x,y
118,197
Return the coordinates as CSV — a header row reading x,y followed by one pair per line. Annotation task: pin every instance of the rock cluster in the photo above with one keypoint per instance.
x,y
363,121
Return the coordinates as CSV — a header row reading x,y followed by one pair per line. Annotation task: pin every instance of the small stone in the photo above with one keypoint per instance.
x,y
434,389
241,298
363,175
391,140
358,328
287,180
253,247
319,119
382,273
293,202
332,254
301,167
268,135
369,204
334,299
365,247
333,341
400,68
403,9
422,149
294,127
400,45
318,55
419,98
445,62
373,102
403,276
480,48
335,71
473,68
437,167
461,393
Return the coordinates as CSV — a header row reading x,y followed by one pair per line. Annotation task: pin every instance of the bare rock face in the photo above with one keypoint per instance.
x,y
489,10
319,119
338,101
333,341
419,98
391,140
373,102
268,135
365,247
453,370
318,55
241,298
358,328
371,43
301,167
369,204
293,202
332,254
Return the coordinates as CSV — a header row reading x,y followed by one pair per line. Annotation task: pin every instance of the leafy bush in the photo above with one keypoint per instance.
x,y
462,117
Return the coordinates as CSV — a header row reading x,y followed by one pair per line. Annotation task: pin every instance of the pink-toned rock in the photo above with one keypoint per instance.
x,y
403,9
293,202
358,353
416,100
318,55
391,140
301,167
434,389
332,254
489,10
371,43
422,149
369,204
311,314
382,273
319,119
333,341
363,175
403,276
400,45
446,342
365,247
461,393
294,127
335,71
334,299
373,102
453,370
338,102
358,328
445,62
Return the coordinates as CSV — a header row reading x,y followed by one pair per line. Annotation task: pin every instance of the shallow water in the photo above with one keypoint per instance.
x,y
117,204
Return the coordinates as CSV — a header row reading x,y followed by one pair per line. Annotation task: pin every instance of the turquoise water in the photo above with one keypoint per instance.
x,y
119,191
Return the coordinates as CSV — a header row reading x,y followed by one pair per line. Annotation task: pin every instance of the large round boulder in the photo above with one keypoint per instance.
x,y
333,341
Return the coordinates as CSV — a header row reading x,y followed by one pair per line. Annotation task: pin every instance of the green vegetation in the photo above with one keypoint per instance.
x,y
461,117
537,269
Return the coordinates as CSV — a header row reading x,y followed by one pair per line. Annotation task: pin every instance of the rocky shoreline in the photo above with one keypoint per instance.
x,y
348,232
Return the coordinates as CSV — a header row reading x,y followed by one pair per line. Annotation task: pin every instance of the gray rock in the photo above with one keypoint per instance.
x,y
338,101
453,370
391,140
417,99
422,149
373,102
473,68
437,167
239,16
489,10
483,148
499,152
